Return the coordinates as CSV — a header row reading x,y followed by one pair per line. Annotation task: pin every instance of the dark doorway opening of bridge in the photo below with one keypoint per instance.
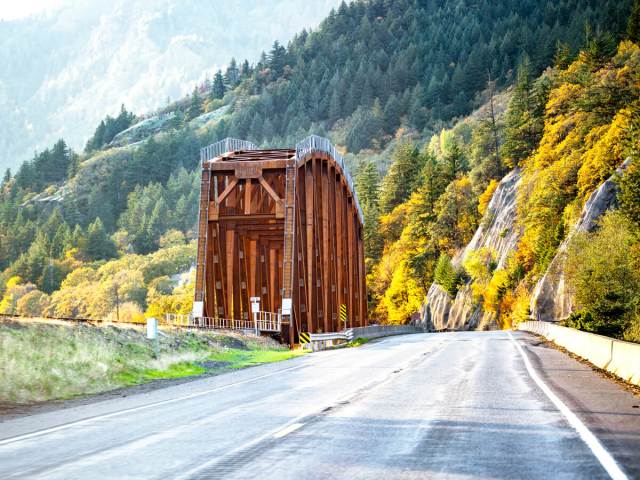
x,y
281,228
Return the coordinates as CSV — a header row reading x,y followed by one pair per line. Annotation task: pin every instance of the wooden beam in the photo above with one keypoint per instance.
x,y
227,191
269,190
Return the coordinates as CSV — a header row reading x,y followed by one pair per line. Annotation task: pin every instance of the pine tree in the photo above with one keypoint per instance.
x,y
59,164
633,27
455,161
402,177
245,70
276,60
195,107
367,184
232,75
97,245
219,88
523,120
335,107
7,176
562,57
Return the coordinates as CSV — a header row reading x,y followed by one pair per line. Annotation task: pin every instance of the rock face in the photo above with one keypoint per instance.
x,y
551,301
497,232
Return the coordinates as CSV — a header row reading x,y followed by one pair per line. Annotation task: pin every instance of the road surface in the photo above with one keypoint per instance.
x,y
447,405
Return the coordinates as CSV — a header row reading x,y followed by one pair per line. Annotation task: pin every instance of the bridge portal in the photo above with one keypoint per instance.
x,y
283,226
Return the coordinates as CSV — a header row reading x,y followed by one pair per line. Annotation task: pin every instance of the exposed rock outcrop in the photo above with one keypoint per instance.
x,y
551,299
497,232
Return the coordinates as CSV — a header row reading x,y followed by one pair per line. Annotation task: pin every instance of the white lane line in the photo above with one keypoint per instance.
x,y
604,457
286,431
143,407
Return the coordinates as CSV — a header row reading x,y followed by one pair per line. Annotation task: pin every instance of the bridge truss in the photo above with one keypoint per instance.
x,y
285,226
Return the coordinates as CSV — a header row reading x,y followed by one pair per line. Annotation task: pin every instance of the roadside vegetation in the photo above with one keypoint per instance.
x,y
567,131
44,361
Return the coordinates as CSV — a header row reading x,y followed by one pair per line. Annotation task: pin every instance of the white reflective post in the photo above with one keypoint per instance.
x,y
255,308
152,334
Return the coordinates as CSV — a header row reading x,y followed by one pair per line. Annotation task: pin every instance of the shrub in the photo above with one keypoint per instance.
x,y
602,271
33,304
448,276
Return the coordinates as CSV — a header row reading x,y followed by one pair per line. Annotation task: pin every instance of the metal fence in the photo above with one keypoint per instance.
x,y
223,146
263,322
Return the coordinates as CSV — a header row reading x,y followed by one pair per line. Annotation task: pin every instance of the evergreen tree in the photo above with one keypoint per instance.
x,y
219,88
633,27
524,118
562,57
454,161
232,75
245,70
97,245
195,107
401,178
276,60
367,183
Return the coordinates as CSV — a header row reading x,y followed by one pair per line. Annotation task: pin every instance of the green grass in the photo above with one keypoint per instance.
x,y
40,362
248,358
358,341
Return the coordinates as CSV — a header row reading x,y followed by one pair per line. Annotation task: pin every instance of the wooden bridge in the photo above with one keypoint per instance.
x,y
284,227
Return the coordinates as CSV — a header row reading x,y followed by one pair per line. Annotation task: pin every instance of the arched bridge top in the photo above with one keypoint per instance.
x,y
315,143
311,144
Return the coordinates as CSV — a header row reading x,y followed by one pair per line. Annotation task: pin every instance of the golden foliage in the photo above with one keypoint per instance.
x,y
485,197
585,138
607,151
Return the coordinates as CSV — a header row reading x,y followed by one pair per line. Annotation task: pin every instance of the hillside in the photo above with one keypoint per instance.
x,y
559,238
63,72
110,229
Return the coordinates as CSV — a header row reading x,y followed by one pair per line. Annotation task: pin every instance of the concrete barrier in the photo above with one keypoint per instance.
x,y
616,356
625,361
378,331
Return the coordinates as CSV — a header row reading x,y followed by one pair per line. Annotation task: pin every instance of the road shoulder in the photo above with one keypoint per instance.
x,y
609,409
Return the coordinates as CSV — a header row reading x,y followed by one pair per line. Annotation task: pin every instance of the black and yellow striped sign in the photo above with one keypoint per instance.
x,y
343,313
305,337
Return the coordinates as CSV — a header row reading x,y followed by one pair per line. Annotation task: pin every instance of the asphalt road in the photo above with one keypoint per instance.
x,y
448,405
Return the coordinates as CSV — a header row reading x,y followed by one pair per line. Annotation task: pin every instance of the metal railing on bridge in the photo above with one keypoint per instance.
x,y
224,146
262,322
315,143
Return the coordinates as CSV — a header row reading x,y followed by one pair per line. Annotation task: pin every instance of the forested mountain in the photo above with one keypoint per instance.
x,y
564,134
62,72
113,223
375,65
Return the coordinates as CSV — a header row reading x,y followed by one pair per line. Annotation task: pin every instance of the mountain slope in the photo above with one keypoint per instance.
x,y
374,75
64,71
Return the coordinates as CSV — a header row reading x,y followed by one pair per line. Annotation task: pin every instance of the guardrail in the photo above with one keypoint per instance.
x,y
615,356
320,341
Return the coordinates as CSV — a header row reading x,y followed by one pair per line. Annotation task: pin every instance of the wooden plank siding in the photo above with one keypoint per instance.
x,y
241,247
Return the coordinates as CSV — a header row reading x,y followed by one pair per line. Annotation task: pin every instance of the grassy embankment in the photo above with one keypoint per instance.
x,y
40,362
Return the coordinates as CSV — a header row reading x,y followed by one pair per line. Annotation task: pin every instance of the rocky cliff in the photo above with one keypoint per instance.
x,y
497,232
551,299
